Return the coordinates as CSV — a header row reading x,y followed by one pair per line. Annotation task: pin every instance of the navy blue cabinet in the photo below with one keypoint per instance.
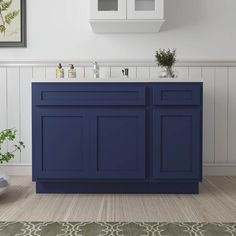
x,y
61,143
118,143
117,137
177,143
89,143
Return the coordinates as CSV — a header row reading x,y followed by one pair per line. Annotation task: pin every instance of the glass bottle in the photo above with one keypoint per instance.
x,y
72,72
60,72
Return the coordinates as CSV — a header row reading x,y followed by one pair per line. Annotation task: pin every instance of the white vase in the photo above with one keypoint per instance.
x,y
4,182
168,72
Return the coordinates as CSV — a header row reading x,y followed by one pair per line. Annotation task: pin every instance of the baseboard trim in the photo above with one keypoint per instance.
x,y
224,169
17,169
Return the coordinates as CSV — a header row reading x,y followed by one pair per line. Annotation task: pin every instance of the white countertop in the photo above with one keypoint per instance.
x,y
115,80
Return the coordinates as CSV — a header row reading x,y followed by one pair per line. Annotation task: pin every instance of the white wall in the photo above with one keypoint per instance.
x,y
59,29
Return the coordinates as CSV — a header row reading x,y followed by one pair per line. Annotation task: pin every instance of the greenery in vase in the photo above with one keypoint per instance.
x,y
6,16
9,136
166,57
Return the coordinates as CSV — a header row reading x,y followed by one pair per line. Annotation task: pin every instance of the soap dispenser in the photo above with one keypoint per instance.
x,y
72,72
60,72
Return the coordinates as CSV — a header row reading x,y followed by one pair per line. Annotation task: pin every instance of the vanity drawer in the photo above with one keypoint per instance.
x,y
177,94
69,94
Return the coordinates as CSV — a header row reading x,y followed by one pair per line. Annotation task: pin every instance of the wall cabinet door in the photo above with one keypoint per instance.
x,y
177,143
108,9
61,143
145,9
118,143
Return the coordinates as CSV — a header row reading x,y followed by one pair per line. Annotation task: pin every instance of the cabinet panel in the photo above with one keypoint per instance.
x,y
87,94
119,143
108,9
145,9
177,94
61,143
177,143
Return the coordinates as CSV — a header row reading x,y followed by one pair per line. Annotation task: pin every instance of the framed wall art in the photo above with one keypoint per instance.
x,y
12,23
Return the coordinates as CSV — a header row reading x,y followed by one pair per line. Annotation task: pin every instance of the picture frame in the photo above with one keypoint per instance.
x,y
20,20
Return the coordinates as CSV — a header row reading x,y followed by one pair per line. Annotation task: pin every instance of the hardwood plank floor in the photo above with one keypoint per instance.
x,y
216,203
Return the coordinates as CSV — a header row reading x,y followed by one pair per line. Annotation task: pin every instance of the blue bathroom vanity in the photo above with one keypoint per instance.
x,y
117,137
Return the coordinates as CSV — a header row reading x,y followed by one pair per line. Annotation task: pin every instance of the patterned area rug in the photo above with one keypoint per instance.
x,y
116,229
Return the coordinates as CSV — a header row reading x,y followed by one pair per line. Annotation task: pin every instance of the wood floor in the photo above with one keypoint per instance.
x,y
216,203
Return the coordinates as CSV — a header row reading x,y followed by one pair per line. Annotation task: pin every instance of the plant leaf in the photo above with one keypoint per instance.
x,y
2,28
4,5
166,58
9,135
10,16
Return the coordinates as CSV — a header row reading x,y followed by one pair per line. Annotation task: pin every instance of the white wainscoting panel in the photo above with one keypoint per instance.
x,y
195,73
208,75
143,72
25,112
3,101
51,72
39,72
219,118
155,72
105,72
88,72
3,98
183,72
232,116
80,72
221,115
13,104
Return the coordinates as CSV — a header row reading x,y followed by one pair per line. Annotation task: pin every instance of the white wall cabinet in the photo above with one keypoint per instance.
x,y
108,9
145,9
126,16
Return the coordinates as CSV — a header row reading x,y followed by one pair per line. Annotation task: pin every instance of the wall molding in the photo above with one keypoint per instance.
x,y
116,63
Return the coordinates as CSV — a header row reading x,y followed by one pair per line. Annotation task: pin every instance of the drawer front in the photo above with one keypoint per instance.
x,y
177,94
46,94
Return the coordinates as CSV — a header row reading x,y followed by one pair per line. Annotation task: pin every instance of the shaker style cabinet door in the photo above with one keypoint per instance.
x,y
61,143
177,144
118,143
108,9
145,9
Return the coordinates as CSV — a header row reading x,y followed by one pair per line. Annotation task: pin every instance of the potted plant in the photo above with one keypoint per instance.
x,y
166,58
8,136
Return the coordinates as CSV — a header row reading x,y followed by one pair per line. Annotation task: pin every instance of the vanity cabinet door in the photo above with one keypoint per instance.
x,y
60,143
108,9
118,143
145,9
177,143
